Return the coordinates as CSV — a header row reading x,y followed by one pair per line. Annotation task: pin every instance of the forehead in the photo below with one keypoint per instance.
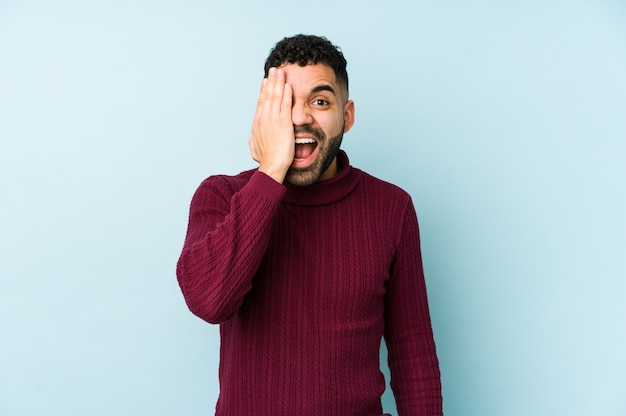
x,y
304,78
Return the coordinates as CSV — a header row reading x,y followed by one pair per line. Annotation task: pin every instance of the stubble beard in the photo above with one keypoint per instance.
x,y
327,152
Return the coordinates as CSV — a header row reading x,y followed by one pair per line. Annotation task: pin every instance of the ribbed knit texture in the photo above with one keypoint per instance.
x,y
304,282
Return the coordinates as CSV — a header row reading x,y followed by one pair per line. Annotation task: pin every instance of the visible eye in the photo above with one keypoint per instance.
x,y
320,102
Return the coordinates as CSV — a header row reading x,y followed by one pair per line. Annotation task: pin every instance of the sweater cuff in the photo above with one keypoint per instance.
x,y
266,187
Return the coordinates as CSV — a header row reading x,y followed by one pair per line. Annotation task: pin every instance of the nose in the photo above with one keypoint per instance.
x,y
300,114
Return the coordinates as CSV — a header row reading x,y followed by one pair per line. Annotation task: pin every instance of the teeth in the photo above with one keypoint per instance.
x,y
304,140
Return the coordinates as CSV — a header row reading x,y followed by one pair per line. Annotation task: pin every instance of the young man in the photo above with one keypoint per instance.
x,y
306,262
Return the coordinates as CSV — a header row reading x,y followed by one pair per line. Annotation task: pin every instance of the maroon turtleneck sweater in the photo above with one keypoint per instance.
x,y
304,282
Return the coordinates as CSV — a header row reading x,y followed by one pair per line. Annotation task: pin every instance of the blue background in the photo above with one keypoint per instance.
x,y
506,121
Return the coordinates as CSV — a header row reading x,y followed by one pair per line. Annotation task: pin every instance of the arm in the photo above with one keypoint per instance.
x,y
229,233
415,377
226,239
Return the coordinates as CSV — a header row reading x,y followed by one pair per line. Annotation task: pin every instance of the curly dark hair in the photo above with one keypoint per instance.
x,y
309,49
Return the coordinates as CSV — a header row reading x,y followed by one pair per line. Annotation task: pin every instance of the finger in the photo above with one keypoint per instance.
x,y
277,91
287,102
267,94
260,102
269,84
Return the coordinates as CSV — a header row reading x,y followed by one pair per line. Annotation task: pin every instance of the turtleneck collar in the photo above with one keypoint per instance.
x,y
328,191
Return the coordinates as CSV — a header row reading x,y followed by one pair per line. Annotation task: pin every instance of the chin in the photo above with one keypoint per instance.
x,y
304,177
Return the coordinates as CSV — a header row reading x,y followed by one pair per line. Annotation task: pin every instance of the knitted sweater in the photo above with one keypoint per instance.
x,y
304,282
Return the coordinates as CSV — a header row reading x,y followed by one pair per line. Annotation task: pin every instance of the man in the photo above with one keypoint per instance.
x,y
306,262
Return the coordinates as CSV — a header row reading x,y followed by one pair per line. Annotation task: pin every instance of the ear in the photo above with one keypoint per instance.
x,y
348,115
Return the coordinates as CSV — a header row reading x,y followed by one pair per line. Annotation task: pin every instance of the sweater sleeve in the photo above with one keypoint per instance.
x,y
227,236
415,376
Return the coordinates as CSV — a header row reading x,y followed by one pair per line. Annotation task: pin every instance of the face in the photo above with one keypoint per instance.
x,y
321,114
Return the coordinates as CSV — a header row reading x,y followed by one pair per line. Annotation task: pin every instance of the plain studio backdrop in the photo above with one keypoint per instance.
x,y
505,121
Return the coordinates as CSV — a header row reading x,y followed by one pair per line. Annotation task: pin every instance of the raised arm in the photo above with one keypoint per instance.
x,y
230,227
226,239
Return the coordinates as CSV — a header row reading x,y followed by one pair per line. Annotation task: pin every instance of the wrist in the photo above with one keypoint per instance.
x,y
277,173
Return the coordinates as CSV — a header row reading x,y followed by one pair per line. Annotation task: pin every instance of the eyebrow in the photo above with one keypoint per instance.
x,y
323,87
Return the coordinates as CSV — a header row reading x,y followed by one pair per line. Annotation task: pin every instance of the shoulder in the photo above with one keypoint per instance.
x,y
383,200
227,182
387,204
222,186
381,189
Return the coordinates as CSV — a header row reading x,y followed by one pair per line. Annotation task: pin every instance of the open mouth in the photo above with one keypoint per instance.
x,y
305,148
